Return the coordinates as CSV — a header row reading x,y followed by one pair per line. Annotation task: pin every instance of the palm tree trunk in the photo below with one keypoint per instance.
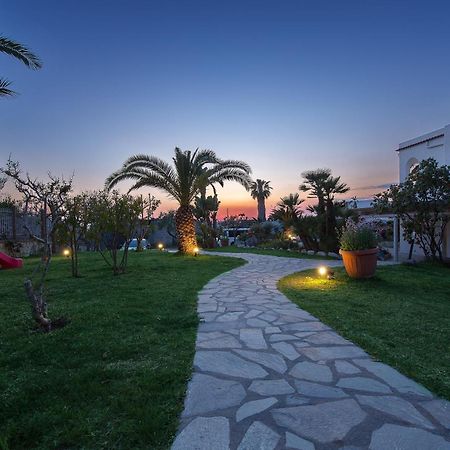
x,y
261,210
184,221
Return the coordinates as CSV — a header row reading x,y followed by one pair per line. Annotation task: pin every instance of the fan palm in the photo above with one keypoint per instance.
x,y
21,53
322,185
187,178
260,191
288,210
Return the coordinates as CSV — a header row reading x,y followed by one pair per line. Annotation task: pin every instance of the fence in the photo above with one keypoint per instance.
x,y
12,225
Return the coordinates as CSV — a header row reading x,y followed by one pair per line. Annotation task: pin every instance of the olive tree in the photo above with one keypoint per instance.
x,y
422,203
114,219
44,198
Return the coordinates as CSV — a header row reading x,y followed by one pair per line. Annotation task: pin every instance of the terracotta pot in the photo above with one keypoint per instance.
x,y
360,263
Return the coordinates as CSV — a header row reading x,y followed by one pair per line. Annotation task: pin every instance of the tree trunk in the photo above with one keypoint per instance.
x,y
261,210
38,305
184,220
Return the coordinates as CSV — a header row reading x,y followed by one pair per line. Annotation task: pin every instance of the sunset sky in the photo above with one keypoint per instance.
x,y
286,86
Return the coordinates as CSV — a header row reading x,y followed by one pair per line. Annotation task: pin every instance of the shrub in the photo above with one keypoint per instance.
x,y
356,237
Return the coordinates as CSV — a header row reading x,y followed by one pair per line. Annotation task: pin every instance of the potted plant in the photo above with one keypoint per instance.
x,y
358,247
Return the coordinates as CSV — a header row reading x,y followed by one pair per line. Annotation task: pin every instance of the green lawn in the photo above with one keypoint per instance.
x,y
115,377
401,317
263,251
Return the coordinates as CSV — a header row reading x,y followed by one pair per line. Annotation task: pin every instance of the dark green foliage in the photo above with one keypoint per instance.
x,y
20,52
422,202
401,317
115,377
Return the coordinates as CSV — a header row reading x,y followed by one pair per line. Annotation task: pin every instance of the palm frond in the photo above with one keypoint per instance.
x,y
4,91
20,52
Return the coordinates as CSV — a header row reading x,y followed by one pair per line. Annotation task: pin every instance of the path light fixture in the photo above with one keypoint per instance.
x,y
325,271
196,250
161,247
66,252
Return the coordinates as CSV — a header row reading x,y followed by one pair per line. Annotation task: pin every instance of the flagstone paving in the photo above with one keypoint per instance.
x,y
270,376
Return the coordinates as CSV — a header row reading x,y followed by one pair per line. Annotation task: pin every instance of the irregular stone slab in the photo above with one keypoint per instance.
x,y
346,368
274,362
330,338
208,316
363,384
229,317
253,338
225,363
226,341
282,337
312,372
254,407
298,443
319,390
252,313
306,326
257,323
270,330
325,422
303,334
286,350
440,410
393,378
204,433
296,399
406,438
267,316
207,336
271,387
207,307
207,393
397,407
327,353
259,437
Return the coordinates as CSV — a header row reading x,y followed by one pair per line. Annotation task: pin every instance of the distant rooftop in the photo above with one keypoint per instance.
x,y
424,138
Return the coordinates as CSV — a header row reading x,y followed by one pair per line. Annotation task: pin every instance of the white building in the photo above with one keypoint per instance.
x,y
434,145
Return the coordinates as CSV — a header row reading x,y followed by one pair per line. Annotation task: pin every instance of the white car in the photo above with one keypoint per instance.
x,y
134,245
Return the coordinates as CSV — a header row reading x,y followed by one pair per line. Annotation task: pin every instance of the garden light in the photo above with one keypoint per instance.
x,y
325,271
196,250
66,252
161,247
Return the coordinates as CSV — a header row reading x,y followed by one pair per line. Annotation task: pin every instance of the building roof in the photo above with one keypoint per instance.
x,y
424,138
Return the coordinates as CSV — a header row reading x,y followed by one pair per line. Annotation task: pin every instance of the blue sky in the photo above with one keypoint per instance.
x,y
285,85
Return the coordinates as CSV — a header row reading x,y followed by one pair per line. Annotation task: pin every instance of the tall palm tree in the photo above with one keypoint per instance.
x,y
21,53
183,181
260,191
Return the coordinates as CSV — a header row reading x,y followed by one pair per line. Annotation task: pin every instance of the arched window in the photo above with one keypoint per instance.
x,y
411,164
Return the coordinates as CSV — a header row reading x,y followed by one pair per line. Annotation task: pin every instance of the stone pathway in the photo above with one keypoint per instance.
x,y
268,375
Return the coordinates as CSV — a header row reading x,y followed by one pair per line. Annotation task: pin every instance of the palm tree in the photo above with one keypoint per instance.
x,y
183,181
260,191
21,53
288,210
322,185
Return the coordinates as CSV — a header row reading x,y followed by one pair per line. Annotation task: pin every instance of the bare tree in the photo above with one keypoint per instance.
x,y
47,199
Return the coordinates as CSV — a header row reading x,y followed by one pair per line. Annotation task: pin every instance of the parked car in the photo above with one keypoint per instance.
x,y
134,245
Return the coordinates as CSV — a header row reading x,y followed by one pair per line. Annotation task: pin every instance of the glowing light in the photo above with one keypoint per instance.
x,y
196,250
160,246
66,252
326,271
